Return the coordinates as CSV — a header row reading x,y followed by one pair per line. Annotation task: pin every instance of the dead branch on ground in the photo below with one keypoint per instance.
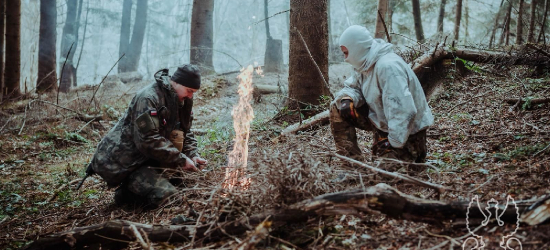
x,y
381,198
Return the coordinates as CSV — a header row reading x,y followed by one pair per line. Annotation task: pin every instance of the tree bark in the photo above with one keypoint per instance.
x,y
136,44
202,35
68,42
381,198
308,19
380,31
418,21
13,49
2,40
546,9
532,15
519,26
47,76
458,18
273,57
441,16
493,32
125,26
504,38
389,22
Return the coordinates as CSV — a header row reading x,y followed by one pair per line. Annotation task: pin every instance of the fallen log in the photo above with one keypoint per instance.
x,y
316,120
533,101
379,199
270,89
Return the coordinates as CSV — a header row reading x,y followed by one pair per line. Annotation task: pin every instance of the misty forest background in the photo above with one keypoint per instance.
x,y
160,37
69,68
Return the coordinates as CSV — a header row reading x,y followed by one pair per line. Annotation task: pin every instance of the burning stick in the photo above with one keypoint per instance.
x,y
242,116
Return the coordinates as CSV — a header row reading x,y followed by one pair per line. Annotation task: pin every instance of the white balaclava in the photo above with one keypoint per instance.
x,y
363,49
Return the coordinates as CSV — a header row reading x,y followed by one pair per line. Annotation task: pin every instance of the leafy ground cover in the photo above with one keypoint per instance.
x,y
479,143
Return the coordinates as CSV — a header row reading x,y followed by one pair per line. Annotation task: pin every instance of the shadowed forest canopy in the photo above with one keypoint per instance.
x,y
270,72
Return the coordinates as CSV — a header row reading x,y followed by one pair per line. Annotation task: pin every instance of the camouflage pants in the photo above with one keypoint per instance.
x,y
345,138
146,185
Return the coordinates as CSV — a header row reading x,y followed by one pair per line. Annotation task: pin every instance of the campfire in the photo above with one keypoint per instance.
x,y
242,116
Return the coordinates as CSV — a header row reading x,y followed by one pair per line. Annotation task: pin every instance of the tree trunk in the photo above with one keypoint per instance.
x,y
417,21
308,20
546,8
266,15
13,48
519,26
2,40
136,44
273,57
77,29
83,36
458,18
493,32
47,77
69,43
532,14
202,35
124,42
441,16
380,31
466,20
389,22
508,22
506,27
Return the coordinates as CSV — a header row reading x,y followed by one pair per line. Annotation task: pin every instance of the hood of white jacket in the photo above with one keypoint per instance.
x,y
363,49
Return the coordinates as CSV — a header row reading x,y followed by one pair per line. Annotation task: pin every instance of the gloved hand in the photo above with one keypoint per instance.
x,y
347,111
189,165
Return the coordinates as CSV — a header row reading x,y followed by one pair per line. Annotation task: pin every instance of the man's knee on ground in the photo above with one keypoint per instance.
x,y
159,195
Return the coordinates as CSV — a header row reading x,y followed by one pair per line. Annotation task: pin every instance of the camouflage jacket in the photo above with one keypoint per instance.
x,y
142,134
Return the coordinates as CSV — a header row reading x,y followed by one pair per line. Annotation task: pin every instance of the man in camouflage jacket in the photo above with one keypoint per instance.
x,y
137,149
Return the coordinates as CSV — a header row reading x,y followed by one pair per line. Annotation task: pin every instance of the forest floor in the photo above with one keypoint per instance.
x,y
478,142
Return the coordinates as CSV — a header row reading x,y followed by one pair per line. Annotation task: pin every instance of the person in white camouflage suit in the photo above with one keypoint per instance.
x,y
383,96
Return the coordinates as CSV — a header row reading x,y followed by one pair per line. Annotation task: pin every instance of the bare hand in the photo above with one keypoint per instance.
x,y
199,162
190,165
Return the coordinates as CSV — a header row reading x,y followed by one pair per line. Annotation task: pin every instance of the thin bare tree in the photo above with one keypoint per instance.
x,y
381,18
543,27
69,42
417,17
495,26
202,35
519,23
441,16
131,46
13,48
532,14
458,18
47,77
2,40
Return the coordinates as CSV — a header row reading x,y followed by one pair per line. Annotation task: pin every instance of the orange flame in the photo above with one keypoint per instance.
x,y
242,116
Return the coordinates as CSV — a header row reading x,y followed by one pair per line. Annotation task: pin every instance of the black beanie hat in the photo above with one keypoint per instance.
x,y
188,75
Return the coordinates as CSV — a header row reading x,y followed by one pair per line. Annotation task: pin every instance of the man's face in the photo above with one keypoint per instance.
x,y
182,91
345,50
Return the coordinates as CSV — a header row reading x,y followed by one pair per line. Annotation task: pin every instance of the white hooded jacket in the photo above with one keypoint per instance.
x,y
397,104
